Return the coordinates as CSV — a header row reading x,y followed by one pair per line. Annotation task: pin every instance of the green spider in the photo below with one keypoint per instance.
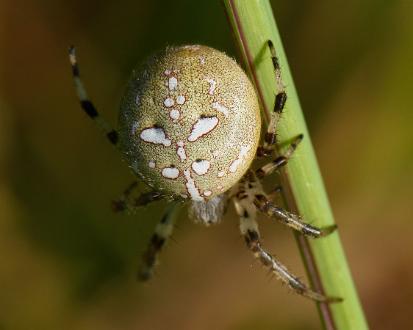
x,y
189,128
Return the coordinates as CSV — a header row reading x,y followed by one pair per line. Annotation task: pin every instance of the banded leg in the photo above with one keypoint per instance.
x,y
280,99
249,229
87,104
290,219
121,204
162,232
125,203
280,161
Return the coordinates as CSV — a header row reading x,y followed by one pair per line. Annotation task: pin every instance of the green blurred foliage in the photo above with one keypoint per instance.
x,y
68,262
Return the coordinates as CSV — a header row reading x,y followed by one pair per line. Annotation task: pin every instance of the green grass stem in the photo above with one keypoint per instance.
x,y
253,24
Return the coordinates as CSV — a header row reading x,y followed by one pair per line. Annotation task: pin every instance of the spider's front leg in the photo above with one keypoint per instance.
x,y
270,140
87,104
249,229
280,161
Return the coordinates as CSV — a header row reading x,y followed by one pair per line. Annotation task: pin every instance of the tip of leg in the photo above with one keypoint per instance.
x,y
334,300
144,275
324,299
328,230
118,205
72,58
301,136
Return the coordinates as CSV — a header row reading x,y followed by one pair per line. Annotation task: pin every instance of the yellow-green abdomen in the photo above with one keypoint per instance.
x,y
190,122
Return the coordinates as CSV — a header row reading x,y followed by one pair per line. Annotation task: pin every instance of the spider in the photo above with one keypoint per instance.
x,y
189,128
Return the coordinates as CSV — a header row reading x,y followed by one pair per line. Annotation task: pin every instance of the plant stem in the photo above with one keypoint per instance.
x,y
253,24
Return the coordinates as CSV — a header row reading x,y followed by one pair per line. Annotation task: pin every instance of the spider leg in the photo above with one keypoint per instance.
x,y
87,104
275,192
121,204
280,99
280,161
125,203
249,229
267,207
291,220
163,231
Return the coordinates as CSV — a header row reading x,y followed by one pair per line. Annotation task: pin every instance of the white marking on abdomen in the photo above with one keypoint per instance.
x,y
219,107
168,102
212,85
207,193
181,150
190,186
180,99
170,172
201,166
174,114
155,135
152,164
201,127
221,174
172,83
242,153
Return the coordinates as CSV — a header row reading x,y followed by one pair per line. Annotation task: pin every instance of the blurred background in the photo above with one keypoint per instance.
x,y
68,262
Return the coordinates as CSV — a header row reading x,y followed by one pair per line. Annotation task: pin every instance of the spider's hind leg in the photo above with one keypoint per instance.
x,y
126,203
249,229
265,205
290,219
122,203
87,104
163,232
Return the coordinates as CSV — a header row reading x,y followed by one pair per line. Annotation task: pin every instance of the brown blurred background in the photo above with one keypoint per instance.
x,y
68,262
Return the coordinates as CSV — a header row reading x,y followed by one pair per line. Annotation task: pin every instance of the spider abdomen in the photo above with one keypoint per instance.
x,y
190,122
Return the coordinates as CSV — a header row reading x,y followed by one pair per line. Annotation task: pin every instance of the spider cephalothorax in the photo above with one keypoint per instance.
x,y
189,128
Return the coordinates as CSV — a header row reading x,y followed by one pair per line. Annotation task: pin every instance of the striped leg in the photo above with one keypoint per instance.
x,y
126,203
280,99
162,232
86,104
290,219
279,161
249,229
121,204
